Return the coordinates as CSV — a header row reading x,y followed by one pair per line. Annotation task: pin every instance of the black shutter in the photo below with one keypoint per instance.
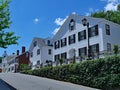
x,y
97,47
65,42
84,34
78,36
69,40
55,45
89,32
74,38
96,30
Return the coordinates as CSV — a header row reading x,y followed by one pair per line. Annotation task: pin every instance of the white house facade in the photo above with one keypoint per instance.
x,y
8,62
41,51
81,37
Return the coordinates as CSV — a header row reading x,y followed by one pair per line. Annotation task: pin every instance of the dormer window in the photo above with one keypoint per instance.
x,y
35,43
72,25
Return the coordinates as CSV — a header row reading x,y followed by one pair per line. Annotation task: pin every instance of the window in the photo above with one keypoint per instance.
x,y
71,39
63,42
27,55
64,55
108,47
48,42
107,27
31,54
72,25
35,43
38,51
82,35
83,51
57,57
49,51
38,62
94,48
93,31
57,44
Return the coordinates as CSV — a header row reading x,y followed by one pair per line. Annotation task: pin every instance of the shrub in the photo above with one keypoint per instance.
x,y
101,73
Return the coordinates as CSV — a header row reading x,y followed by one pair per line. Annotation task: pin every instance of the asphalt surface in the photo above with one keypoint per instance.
x,y
29,82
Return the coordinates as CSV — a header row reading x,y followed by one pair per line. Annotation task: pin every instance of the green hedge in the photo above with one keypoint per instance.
x,y
101,73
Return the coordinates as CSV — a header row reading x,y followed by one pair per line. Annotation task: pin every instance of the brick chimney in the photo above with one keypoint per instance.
x,y
23,49
17,52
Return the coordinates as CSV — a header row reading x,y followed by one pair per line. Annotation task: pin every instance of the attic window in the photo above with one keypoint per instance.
x,y
72,25
35,43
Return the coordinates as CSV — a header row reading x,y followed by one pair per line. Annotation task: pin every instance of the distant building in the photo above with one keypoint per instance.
x,y
82,37
41,51
11,63
23,58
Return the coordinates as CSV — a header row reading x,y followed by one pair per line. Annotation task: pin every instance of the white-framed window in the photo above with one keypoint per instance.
x,y
108,47
107,27
72,25
38,51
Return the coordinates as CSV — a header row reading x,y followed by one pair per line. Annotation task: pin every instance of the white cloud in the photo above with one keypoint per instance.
x,y
36,20
111,4
87,14
73,12
55,31
60,21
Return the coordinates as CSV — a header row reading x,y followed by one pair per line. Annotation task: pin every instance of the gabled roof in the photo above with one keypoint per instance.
x,y
40,42
76,16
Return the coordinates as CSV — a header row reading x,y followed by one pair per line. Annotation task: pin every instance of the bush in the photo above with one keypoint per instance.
x,y
101,73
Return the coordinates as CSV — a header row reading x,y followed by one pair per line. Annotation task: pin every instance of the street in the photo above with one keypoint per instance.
x,y
29,82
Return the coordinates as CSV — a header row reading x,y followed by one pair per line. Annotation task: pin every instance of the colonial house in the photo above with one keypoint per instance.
x,y
22,58
11,63
82,37
41,52
8,62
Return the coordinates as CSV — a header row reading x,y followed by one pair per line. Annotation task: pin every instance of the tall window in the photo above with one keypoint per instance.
x,y
72,25
63,42
49,51
83,51
48,42
64,55
93,31
94,48
82,35
108,47
57,57
57,44
31,54
38,51
35,43
71,39
107,27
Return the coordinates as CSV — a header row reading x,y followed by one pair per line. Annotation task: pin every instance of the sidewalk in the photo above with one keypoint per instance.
x,y
28,82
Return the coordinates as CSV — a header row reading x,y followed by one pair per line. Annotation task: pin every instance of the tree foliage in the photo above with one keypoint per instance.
x,y
6,38
113,16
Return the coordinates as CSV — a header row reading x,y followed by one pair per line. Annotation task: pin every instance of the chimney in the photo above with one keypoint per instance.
x,y
23,49
17,52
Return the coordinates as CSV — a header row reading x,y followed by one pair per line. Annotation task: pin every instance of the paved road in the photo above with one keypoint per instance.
x,y
29,82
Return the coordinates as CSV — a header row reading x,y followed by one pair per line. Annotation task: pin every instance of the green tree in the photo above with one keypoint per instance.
x,y
24,67
116,49
113,16
118,8
6,38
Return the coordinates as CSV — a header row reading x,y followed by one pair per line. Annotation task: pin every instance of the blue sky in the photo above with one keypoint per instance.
x,y
42,18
